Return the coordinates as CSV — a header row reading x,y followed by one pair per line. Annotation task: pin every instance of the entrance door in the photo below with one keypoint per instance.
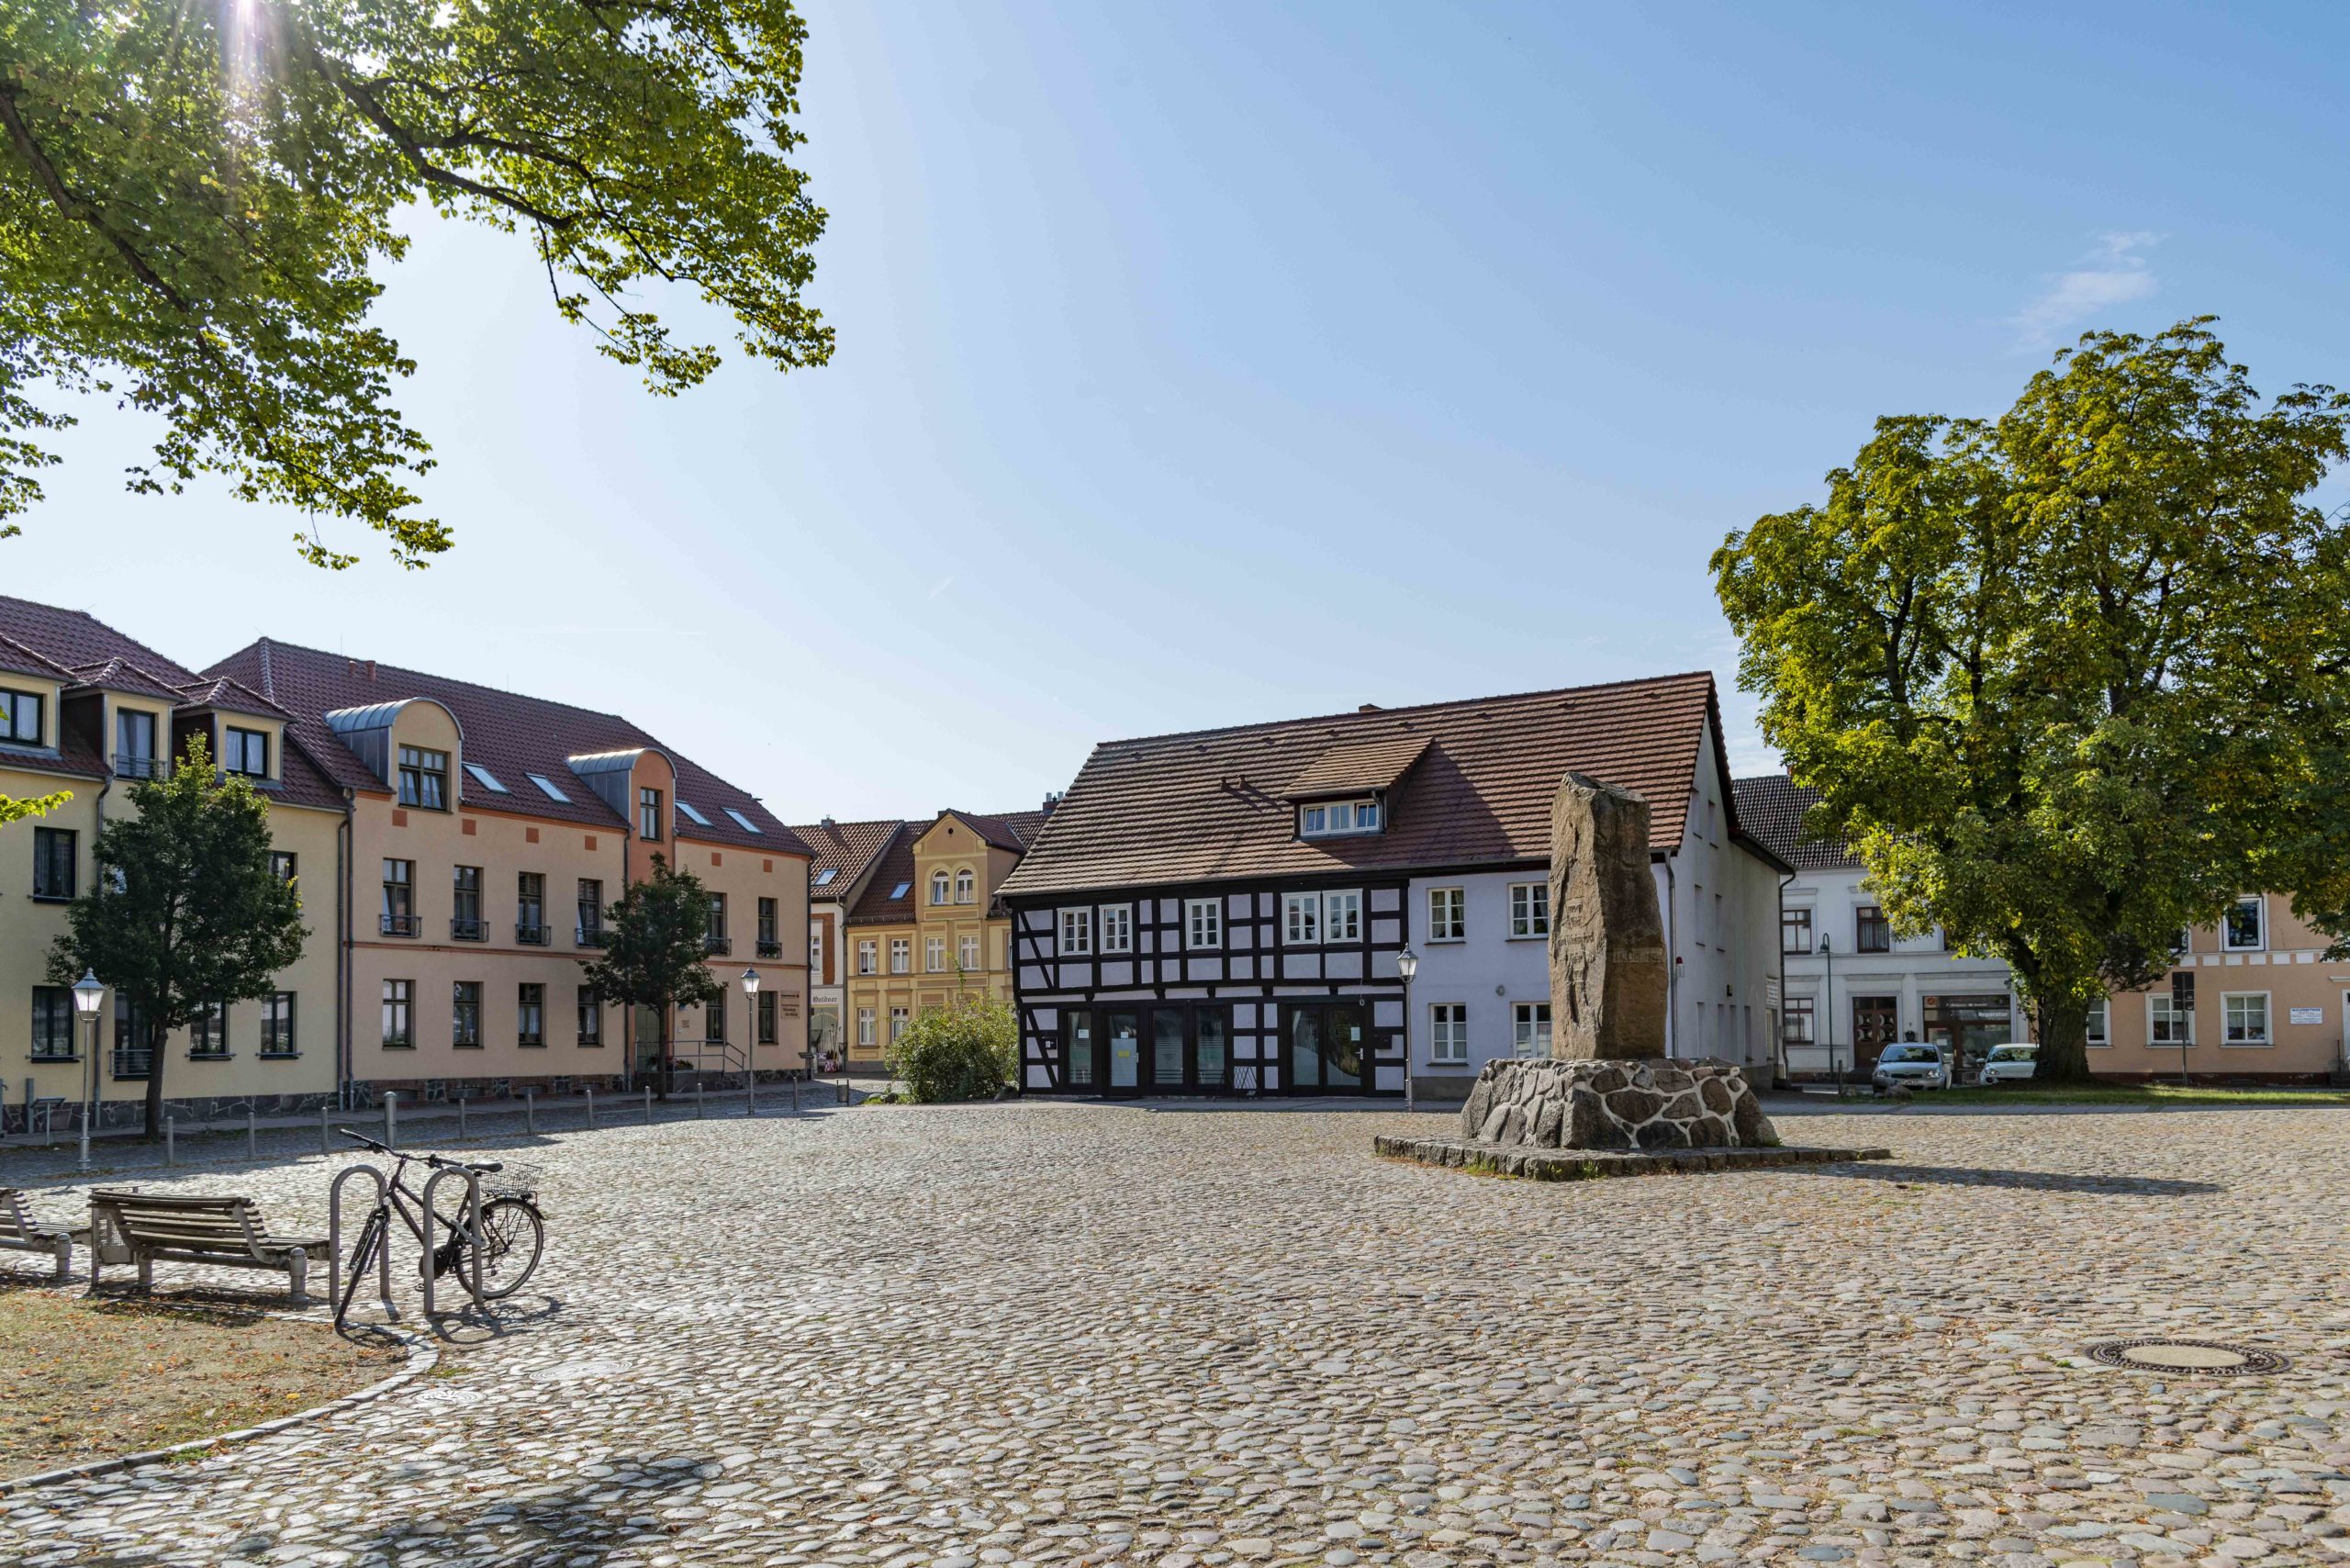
x,y
1166,1050
1876,1023
1210,1054
1123,1029
1080,1071
1327,1047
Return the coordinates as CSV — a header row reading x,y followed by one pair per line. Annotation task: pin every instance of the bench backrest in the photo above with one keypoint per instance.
x,y
184,1223
14,1221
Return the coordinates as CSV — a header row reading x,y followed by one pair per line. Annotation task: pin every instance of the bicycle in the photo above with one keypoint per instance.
x,y
513,1232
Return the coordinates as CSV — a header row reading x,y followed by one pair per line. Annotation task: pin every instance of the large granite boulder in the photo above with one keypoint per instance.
x,y
1536,1104
1610,975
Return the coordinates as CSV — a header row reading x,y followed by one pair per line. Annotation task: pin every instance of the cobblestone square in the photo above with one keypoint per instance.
x,y
1037,1333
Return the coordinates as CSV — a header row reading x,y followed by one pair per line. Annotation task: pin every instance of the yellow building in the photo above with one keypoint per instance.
x,y
928,927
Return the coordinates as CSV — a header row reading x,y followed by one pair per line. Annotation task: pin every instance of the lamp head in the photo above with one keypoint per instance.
x,y
1407,964
750,982
87,994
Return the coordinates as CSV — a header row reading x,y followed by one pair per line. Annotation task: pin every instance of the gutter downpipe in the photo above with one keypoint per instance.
x,y
1779,1046
346,1055
1673,972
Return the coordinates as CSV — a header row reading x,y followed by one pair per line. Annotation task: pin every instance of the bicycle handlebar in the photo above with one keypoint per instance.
x,y
481,1168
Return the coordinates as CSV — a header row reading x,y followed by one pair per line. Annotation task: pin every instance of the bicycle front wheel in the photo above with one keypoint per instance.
x,y
513,1235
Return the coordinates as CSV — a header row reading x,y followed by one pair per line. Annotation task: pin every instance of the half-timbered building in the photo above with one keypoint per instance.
x,y
1225,912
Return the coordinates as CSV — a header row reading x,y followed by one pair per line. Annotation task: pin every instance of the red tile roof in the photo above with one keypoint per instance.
x,y
1773,807
1211,804
844,849
508,734
1355,770
121,674
882,904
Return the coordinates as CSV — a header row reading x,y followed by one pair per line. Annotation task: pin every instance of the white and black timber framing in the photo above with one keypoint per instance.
x,y
1251,982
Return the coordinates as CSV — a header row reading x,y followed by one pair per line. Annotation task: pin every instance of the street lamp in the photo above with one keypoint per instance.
x,y
1407,964
1828,1005
751,1044
88,997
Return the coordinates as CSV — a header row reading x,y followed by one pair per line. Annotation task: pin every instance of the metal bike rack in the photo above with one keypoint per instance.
x,y
471,1179
334,1241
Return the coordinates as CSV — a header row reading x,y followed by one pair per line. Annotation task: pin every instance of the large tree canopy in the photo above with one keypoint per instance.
x,y
2073,679
193,194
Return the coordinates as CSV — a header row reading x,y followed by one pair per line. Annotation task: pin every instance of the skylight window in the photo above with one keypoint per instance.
x,y
692,815
824,877
546,789
901,890
746,823
485,779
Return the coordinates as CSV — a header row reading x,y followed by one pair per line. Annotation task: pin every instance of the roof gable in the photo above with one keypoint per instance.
x,y
1772,806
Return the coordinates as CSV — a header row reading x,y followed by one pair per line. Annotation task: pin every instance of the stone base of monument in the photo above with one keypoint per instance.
x,y
1574,1120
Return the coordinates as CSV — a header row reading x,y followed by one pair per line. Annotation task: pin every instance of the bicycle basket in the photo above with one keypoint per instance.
x,y
517,1180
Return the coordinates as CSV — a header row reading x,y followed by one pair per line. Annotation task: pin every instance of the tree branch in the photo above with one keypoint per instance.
x,y
75,209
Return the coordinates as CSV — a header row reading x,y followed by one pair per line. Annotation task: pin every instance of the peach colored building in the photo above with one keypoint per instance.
x,y
2265,1003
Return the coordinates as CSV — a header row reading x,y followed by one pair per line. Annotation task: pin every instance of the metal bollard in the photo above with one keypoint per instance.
x,y
49,1125
461,1118
795,1096
391,1118
171,1150
591,1107
701,1101
648,1105
252,1144
325,1134
530,1113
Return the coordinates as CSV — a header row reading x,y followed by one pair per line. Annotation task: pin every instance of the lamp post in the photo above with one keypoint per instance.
x,y
751,1044
1828,1006
88,996
1407,964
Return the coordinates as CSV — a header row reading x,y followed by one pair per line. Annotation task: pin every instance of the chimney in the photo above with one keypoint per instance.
x,y
371,671
826,824
1368,708
1052,798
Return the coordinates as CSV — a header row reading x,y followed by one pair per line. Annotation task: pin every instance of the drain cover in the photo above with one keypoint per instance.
x,y
2201,1358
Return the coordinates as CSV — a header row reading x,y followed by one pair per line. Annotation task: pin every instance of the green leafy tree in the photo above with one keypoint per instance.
x,y
194,194
2072,679
965,1050
184,911
657,951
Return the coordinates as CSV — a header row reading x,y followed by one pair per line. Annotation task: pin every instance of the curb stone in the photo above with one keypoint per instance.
x,y
422,1357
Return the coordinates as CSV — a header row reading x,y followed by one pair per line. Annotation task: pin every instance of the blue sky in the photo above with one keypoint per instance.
x,y
1203,364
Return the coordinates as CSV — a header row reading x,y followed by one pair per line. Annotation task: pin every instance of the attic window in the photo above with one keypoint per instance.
x,y
824,877
746,823
546,789
692,815
1338,819
485,778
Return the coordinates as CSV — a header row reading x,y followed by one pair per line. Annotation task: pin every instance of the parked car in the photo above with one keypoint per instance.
x,y
1910,1065
2011,1063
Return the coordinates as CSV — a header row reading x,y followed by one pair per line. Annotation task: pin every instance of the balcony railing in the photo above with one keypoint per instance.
x,y
531,935
468,931
770,949
133,1061
719,946
589,937
140,767
400,925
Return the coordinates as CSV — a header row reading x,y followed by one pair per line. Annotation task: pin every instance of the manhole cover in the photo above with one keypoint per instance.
x,y
2204,1358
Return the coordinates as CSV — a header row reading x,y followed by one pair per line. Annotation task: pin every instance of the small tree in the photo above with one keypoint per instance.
x,y
2071,679
965,1050
656,947
185,912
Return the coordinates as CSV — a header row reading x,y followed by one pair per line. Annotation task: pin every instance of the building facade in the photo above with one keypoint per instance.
x,y
2259,1000
847,856
1226,912
1852,986
929,926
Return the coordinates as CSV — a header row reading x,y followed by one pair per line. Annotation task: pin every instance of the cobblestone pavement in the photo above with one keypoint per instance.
x,y
1036,1333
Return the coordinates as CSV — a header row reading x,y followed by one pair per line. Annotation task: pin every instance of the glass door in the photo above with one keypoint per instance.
x,y
1167,1049
1125,1032
1209,1026
1078,1069
1345,1047
1302,1063
1329,1048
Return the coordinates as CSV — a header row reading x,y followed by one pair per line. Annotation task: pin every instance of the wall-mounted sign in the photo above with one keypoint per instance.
x,y
2308,1014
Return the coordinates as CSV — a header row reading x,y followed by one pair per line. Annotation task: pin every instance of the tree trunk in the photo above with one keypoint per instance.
x,y
155,1083
2062,1025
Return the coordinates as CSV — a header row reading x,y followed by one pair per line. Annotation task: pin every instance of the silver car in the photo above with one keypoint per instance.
x,y
1909,1065
2011,1063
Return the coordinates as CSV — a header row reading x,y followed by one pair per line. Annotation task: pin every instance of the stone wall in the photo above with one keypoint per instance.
x,y
1615,1104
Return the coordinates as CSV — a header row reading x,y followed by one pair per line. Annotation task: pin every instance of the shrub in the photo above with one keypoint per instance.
x,y
966,1050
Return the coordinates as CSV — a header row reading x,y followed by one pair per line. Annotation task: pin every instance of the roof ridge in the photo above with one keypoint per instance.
x,y
383,669
1357,713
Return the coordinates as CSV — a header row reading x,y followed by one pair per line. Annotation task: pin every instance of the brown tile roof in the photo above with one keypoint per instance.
x,y
510,735
844,849
232,697
1014,831
121,674
1351,769
1771,807
1211,805
889,898
75,639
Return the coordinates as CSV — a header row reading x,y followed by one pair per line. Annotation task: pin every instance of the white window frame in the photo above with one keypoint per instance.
x,y
933,955
966,886
901,955
1449,914
2099,1026
940,887
2259,944
1523,926
1448,1034
868,956
865,1026
1340,819
2268,1019
1529,1027
899,1018
2166,1015
1341,917
966,953
1077,932
1301,919
1115,922
1203,924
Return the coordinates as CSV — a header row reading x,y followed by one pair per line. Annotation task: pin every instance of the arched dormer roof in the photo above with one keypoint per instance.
x,y
367,731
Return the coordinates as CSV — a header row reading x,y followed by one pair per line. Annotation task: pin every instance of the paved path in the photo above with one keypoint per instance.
x,y
1035,1333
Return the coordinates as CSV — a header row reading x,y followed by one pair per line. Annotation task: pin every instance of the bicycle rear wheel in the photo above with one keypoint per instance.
x,y
513,1235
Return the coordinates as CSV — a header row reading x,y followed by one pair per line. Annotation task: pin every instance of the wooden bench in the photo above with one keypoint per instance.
x,y
230,1233
19,1233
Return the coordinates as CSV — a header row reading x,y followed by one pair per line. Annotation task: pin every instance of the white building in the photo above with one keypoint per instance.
x,y
1851,985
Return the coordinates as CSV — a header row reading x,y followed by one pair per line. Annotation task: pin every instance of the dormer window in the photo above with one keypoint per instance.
x,y
20,717
424,778
648,814
1334,819
244,751
134,743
